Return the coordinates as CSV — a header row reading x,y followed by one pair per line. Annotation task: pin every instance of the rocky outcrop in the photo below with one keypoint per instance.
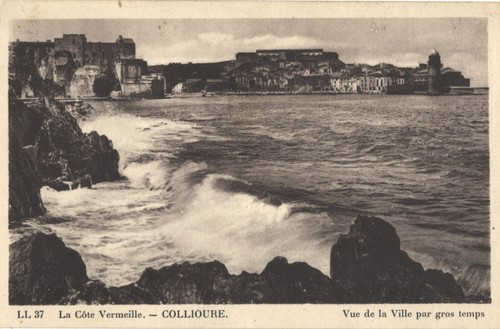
x,y
295,283
369,264
47,147
211,283
37,69
24,183
65,152
42,270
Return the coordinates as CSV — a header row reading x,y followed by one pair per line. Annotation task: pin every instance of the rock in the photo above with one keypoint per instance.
x,y
24,180
86,181
47,147
295,283
101,160
210,283
443,283
82,83
131,294
93,293
369,264
24,122
201,283
42,270
65,152
80,111
24,183
92,80
116,94
58,185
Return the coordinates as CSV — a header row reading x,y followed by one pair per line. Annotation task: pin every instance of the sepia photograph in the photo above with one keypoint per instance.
x,y
289,160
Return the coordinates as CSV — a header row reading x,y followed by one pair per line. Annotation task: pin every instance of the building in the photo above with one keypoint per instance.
x,y
214,85
130,69
85,68
345,85
132,73
431,78
284,70
452,78
148,86
189,86
95,53
283,56
434,71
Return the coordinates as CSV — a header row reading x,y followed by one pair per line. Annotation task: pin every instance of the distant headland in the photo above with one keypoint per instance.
x,y
72,66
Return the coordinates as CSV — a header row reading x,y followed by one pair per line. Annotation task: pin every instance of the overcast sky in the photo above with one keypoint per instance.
x,y
462,42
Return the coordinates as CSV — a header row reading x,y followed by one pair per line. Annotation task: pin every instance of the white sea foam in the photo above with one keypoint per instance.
x,y
151,175
121,230
160,215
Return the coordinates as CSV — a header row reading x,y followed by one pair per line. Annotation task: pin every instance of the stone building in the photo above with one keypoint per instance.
x,y
431,78
132,73
283,56
434,71
83,68
284,70
95,53
453,78
130,69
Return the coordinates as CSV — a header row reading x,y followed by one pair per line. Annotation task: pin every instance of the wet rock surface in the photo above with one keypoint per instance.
x,y
367,267
42,270
65,152
369,264
24,181
47,147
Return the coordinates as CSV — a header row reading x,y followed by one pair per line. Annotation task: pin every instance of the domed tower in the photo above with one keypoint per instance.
x,y
434,65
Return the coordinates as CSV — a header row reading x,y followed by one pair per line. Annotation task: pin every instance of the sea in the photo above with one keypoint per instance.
x,y
243,179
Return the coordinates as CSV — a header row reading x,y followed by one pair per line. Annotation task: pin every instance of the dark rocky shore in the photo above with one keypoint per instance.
x,y
367,266
48,148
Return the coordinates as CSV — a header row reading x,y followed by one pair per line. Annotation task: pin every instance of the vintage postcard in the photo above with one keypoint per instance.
x,y
249,165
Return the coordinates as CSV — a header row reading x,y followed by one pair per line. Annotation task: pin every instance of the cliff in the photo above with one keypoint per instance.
x,y
47,147
367,267
24,183
93,80
37,69
34,70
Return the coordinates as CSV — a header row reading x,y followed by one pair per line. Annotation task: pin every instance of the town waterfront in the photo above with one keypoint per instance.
x,y
244,179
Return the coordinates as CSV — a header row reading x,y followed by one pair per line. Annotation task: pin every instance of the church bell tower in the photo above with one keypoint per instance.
x,y
434,66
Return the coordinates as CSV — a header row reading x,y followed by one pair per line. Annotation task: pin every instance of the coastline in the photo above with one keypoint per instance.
x,y
367,266
406,267
234,94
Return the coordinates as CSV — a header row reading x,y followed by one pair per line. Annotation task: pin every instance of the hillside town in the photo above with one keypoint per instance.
x,y
80,68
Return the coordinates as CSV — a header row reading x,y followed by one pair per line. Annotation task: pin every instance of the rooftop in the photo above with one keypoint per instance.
x,y
434,52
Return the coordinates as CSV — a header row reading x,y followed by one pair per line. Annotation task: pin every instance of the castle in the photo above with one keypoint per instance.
x,y
74,63
94,53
